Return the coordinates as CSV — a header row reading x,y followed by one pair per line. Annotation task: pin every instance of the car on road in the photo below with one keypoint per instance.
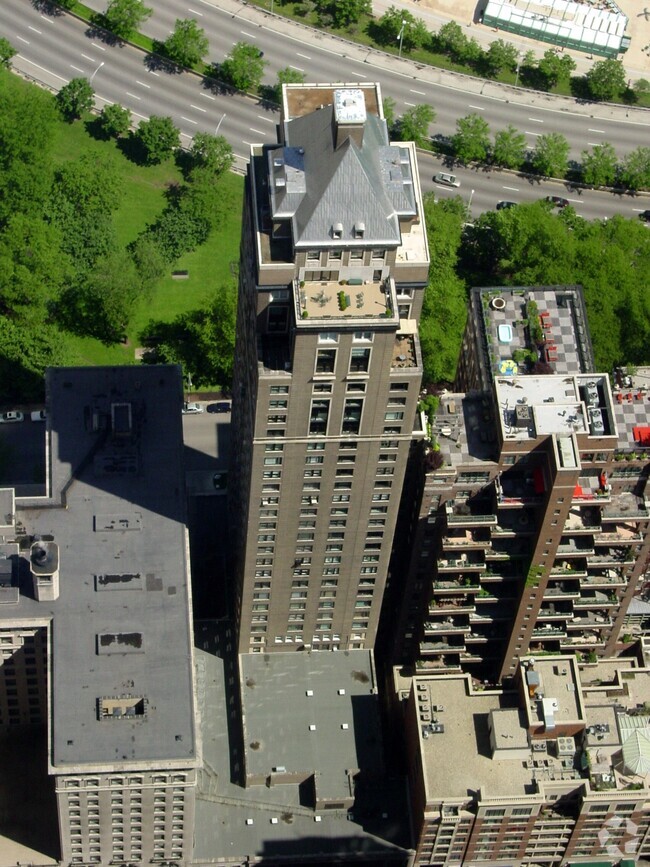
x,y
38,415
220,406
502,206
645,215
11,416
192,408
557,201
447,179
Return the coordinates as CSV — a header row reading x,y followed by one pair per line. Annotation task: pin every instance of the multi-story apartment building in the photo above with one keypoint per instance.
x,y
532,528
552,772
95,637
334,260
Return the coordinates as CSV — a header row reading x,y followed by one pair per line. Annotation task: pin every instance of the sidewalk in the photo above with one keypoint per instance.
x,y
427,74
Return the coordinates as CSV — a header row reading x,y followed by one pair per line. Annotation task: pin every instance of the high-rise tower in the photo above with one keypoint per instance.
x,y
334,260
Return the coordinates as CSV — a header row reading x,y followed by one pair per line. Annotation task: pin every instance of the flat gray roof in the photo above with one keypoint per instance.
x,y
333,725
233,822
120,628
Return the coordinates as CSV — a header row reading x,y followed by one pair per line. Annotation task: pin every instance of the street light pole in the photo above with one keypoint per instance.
x,y
469,205
401,36
96,71
216,132
518,65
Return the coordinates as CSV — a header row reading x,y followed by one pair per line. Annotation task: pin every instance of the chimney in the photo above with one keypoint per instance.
x,y
44,563
349,116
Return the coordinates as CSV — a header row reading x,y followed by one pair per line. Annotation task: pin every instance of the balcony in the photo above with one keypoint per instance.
x,y
476,638
595,599
584,639
436,647
454,587
562,591
627,507
592,489
608,578
466,539
443,665
432,627
456,606
464,563
487,614
469,514
514,490
619,534
611,557
569,569
579,547
515,522
590,621
548,631
583,519
550,612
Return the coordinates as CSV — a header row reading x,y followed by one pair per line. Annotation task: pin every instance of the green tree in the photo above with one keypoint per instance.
x,y
211,152
187,45
606,79
104,303
244,67
555,67
500,55
451,39
27,127
25,353
635,170
414,125
75,98
641,87
33,269
395,21
389,106
444,308
7,52
116,120
551,155
149,262
158,137
178,231
287,75
599,165
203,340
125,17
509,148
343,13
203,199
472,138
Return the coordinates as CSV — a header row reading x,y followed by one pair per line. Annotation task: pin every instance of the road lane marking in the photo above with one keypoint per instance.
x,y
26,41
143,116
142,84
157,74
528,132
298,68
76,68
577,201
601,131
101,47
132,95
258,131
593,144
198,107
250,35
267,119
189,120
42,68
535,120
419,92
45,18
29,27
306,56
194,12
92,59
207,96
477,107
412,104
514,189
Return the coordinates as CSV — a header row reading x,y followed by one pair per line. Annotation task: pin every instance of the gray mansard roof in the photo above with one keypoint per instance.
x,y
318,186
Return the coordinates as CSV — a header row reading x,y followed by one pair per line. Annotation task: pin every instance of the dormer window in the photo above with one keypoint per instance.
x,y
359,230
337,230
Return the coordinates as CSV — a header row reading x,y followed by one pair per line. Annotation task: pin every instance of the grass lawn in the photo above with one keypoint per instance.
x,y
144,198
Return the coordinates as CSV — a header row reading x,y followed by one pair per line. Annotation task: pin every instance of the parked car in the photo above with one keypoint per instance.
x,y
557,201
220,406
447,179
502,206
192,408
11,415
645,215
38,415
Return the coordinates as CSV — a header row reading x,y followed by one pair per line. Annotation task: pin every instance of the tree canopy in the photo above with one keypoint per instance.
x,y
7,52
187,44
414,124
158,138
606,79
75,98
125,17
471,141
243,67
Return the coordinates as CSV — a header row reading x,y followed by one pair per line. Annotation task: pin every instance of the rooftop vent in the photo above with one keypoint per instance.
x,y
359,230
337,230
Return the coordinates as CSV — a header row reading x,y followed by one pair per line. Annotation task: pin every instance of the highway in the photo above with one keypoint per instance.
x,y
54,48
